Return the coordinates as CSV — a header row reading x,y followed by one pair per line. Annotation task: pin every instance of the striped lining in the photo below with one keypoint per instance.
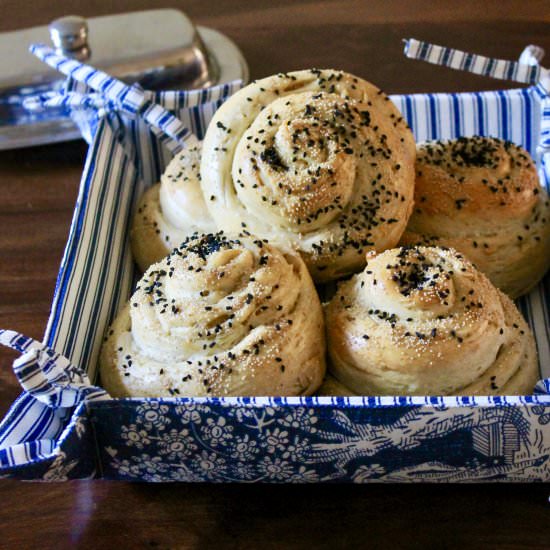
x,y
351,401
96,270
96,273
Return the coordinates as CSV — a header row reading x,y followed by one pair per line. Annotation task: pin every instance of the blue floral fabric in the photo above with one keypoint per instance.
x,y
309,443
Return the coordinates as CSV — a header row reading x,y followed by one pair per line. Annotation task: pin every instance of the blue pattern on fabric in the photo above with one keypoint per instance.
x,y
62,427
161,440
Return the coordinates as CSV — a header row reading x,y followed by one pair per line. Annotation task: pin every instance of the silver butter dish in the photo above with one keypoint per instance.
x,y
159,49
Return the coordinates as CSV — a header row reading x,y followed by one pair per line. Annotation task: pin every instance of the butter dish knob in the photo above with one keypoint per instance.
x,y
69,35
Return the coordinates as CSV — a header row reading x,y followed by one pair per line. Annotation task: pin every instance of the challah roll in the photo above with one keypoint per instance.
x,y
425,321
318,159
171,210
482,197
220,316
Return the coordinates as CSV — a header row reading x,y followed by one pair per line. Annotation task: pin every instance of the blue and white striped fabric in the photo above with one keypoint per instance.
x,y
96,270
527,70
112,94
51,384
524,72
47,375
124,158
130,100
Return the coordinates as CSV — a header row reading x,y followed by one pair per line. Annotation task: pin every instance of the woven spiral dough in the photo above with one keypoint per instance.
x,y
482,197
318,159
424,321
220,316
170,211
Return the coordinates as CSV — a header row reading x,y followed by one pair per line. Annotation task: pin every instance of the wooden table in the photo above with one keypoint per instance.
x,y
38,188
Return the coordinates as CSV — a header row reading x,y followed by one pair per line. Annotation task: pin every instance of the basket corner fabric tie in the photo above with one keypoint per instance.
x,y
132,100
48,376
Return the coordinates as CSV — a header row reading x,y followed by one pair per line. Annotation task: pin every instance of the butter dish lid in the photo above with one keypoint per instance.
x,y
159,49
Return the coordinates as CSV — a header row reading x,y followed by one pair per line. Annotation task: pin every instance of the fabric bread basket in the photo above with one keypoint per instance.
x,y
63,427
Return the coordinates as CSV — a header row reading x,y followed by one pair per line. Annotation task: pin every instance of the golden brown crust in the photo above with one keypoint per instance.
x,y
485,177
220,316
318,159
482,197
424,321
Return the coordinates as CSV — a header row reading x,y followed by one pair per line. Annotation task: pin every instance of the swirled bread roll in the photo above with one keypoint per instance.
x,y
220,316
425,321
318,159
482,197
171,210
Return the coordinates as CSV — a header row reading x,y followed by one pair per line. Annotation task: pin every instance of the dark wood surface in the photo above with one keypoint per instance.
x,y
38,188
